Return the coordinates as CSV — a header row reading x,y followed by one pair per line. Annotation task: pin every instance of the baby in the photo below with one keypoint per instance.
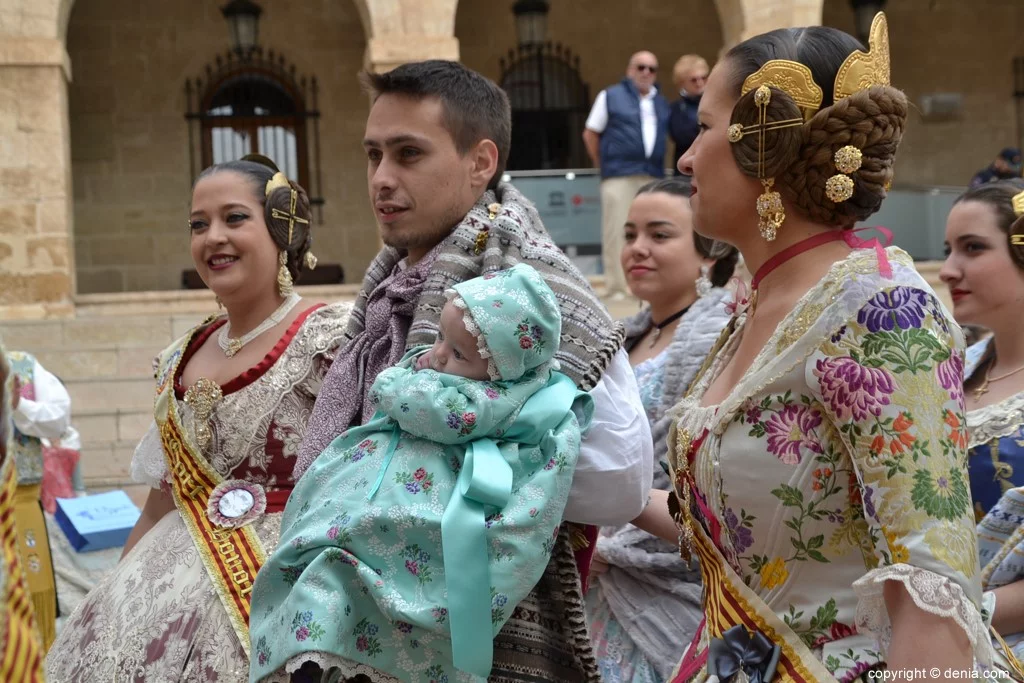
x,y
408,543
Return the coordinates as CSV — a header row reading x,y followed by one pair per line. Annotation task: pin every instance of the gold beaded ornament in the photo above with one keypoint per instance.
x,y
839,187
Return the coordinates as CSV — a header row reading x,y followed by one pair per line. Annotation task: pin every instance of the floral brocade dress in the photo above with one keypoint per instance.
x,y
838,463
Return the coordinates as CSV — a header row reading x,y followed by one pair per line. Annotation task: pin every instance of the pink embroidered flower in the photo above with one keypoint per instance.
x,y
852,389
413,568
525,343
362,643
951,375
469,419
419,474
533,512
302,633
791,431
491,393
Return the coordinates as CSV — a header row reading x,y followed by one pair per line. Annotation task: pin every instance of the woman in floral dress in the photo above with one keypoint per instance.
x,y
984,271
819,460
233,398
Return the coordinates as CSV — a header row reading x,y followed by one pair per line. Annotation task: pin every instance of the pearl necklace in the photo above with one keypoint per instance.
x,y
232,346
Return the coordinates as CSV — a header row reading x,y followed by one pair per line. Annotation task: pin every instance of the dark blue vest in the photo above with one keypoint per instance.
x,y
622,142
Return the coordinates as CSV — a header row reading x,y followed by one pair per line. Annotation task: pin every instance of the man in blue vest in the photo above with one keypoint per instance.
x,y
625,137
690,75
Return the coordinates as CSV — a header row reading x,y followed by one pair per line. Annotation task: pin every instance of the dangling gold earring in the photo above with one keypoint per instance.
x,y
284,277
769,208
220,304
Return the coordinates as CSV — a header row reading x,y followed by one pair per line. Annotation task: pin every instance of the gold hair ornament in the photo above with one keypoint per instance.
x,y
284,277
839,187
861,70
769,203
1018,210
792,78
279,180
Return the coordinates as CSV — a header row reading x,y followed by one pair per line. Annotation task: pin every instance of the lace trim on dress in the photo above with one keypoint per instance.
x,y
346,667
148,464
478,334
999,419
932,593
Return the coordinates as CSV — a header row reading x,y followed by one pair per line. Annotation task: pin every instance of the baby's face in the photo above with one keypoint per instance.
x,y
455,352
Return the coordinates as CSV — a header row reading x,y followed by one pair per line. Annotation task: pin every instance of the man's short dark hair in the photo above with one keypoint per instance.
x,y
475,108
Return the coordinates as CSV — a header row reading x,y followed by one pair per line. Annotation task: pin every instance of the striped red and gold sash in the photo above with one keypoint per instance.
x,y
728,601
232,556
21,652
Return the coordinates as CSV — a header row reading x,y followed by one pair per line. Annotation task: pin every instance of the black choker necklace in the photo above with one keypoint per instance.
x,y
658,327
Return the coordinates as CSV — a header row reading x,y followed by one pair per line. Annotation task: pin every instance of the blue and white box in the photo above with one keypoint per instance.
x,y
95,522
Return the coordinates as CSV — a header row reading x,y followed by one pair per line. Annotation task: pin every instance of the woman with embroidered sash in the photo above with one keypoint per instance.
x,y
21,648
233,398
984,271
819,460
643,595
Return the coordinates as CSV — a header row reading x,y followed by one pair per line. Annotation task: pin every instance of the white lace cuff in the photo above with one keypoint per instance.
x,y
932,593
148,464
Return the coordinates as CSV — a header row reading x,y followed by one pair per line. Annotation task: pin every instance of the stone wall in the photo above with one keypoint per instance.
x,y
952,47
927,57
604,35
36,262
130,144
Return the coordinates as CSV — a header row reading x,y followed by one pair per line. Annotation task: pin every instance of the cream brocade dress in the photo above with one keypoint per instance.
x,y
839,463
156,617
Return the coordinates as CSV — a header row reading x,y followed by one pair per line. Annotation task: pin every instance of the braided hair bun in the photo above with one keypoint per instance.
x,y
801,157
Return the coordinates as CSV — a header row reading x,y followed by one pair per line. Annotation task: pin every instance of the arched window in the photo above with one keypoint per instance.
x,y
550,103
255,104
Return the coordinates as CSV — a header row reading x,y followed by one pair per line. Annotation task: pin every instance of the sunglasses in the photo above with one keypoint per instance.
x,y
647,67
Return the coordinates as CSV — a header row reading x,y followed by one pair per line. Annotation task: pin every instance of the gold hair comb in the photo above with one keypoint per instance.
x,y
1018,204
792,78
279,180
861,70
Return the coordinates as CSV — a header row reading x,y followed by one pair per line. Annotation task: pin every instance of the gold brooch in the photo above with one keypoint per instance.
x,y
839,187
203,396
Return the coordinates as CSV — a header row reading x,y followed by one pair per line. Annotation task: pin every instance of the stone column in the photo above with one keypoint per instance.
x,y
36,259
742,19
400,31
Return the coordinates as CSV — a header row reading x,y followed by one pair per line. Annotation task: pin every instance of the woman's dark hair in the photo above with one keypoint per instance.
x,y
800,158
725,255
999,197
259,170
